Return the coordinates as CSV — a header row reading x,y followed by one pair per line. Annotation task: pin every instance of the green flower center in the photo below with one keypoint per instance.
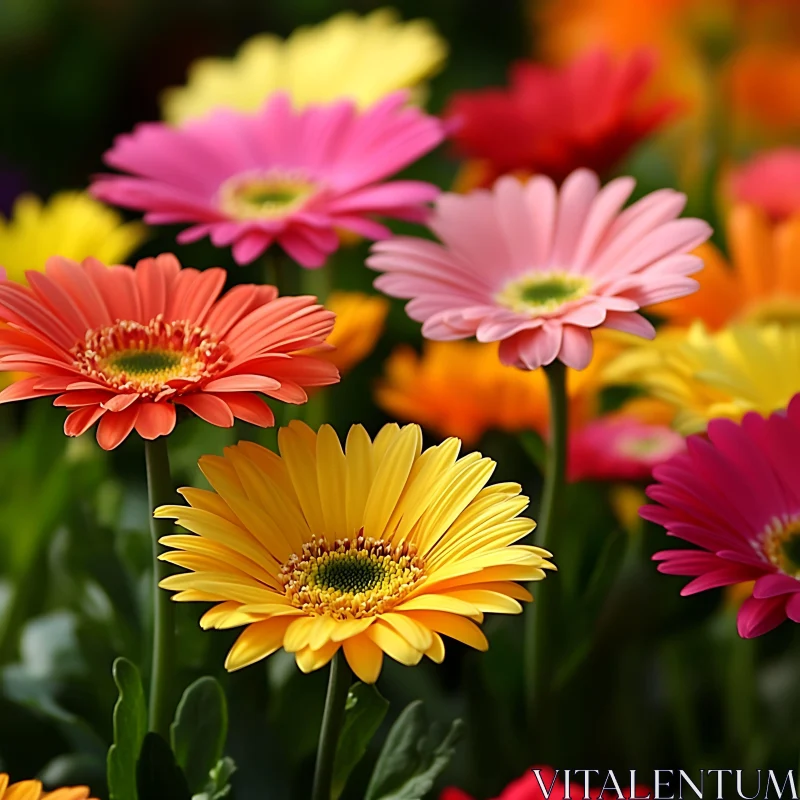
x,y
135,357
264,196
781,545
351,578
542,293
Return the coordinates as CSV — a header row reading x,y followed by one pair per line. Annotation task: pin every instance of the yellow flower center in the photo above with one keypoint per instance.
x,y
264,196
644,446
351,578
781,545
542,293
129,356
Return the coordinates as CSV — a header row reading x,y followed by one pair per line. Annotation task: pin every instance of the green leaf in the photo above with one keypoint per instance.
x,y
412,758
219,782
130,727
364,712
199,732
158,777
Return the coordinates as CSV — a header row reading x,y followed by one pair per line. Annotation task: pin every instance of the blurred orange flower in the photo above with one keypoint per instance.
x,y
761,283
359,323
460,388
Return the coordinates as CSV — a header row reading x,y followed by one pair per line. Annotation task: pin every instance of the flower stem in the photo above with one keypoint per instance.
x,y
338,686
537,648
160,492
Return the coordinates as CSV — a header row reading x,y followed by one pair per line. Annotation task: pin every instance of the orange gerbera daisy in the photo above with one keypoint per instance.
x,y
125,346
359,323
762,283
460,388
32,790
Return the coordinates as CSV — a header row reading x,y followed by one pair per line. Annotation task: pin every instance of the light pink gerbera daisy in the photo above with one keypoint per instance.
x,y
619,448
124,346
279,175
536,268
736,496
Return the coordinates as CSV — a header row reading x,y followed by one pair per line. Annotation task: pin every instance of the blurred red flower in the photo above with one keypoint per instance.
x,y
552,120
771,181
527,788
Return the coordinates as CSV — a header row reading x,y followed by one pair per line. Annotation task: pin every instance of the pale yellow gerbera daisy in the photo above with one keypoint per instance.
x,y
360,58
703,376
380,548
70,224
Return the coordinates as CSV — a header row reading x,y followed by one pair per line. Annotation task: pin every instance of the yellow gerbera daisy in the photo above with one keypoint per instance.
x,y
379,548
359,323
70,224
363,58
32,790
703,376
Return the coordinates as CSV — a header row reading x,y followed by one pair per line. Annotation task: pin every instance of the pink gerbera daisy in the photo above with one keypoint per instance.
x,y
280,175
125,346
536,269
619,448
771,181
736,495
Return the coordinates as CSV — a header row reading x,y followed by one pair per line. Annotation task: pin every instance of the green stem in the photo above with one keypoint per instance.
x,y
335,700
160,492
537,647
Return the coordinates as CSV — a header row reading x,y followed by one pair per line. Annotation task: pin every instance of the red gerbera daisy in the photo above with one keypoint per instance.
x,y
553,120
126,345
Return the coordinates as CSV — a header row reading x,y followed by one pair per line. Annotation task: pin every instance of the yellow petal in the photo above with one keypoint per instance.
x,y
393,644
298,634
299,455
208,501
454,626
308,660
257,641
364,657
332,480
490,602
418,636
440,602
359,476
346,628
436,651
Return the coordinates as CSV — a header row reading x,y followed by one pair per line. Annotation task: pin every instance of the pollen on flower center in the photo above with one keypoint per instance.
x,y
542,293
134,357
351,578
264,196
781,545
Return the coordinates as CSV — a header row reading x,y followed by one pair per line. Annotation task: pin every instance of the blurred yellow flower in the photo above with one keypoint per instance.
x,y
762,282
359,323
704,376
32,790
70,224
363,58
461,389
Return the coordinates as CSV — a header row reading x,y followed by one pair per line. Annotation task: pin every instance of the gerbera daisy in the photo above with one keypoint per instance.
x,y
125,346
70,224
360,58
376,549
461,389
537,269
278,175
761,282
725,374
619,447
736,497
359,323
32,790
553,120
771,181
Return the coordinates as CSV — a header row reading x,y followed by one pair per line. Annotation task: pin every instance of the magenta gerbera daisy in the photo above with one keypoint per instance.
x,y
537,269
279,175
736,496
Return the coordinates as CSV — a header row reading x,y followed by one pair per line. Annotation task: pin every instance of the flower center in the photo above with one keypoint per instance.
x,y
542,293
264,196
781,545
646,446
129,356
351,578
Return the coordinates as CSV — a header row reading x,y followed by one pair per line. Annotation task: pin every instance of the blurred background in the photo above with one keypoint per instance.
x,y
644,679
